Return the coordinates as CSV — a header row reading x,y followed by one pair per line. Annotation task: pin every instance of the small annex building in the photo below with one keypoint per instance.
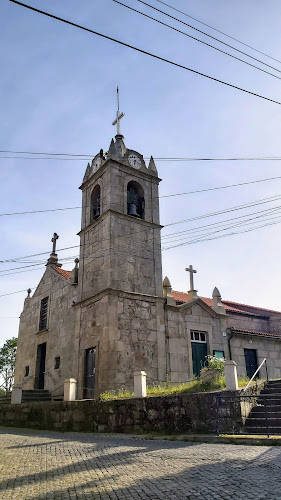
x,y
112,314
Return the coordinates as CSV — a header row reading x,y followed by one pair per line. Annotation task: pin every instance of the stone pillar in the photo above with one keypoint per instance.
x,y
16,396
140,384
70,385
230,372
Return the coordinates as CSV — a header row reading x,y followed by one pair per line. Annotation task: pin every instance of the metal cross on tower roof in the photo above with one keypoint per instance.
x,y
119,116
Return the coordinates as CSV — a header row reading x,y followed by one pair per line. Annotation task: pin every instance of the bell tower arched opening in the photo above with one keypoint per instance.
x,y
135,200
95,202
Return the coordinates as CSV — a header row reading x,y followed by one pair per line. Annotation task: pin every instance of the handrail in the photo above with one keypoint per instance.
x,y
257,370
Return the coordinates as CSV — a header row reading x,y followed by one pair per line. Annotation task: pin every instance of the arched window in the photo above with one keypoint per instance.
x,y
95,203
135,200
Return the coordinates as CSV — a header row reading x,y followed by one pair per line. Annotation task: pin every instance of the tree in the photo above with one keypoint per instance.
x,y
7,363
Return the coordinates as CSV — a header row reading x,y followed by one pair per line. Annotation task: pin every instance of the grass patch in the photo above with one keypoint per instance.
x,y
170,389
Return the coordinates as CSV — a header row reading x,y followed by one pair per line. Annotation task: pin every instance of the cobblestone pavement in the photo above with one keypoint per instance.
x,y
51,465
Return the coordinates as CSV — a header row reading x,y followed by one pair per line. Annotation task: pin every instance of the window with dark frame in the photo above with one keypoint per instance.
x,y
26,371
43,314
197,336
57,362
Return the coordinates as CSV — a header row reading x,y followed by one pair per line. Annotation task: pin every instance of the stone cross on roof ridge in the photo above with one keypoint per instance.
x,y
53,259
192,293
54,241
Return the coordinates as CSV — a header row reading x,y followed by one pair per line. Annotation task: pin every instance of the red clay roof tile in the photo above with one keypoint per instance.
x,y
62,272
228,306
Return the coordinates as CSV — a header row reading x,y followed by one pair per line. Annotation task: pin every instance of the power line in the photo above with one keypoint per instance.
x,y
155,197
171,238
232,209
212,214
263,213
206,34
162,158
144,52
198,40
13,293
198,238
203,233
223,236
221,32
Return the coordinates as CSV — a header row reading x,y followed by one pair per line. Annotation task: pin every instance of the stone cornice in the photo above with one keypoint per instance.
x,y
119,293
122,215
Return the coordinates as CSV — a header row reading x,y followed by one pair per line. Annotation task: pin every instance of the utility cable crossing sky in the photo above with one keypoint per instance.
x,y
144,51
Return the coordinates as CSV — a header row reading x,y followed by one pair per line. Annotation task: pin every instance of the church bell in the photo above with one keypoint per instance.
x,y
133,210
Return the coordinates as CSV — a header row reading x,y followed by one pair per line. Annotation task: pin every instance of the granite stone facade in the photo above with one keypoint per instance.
x,y
113,315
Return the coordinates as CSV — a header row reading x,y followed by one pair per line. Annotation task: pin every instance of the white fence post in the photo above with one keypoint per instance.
x,y
140,384
69,393
230,371
16,396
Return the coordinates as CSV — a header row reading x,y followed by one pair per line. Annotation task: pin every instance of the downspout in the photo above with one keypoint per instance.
x,y
229,346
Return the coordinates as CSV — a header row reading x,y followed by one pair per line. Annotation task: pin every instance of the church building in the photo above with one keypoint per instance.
x,y
112,314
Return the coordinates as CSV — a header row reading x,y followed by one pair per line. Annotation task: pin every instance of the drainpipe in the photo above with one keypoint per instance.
x,y
230,330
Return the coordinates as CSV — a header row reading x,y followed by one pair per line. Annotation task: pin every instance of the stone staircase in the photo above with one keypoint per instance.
x,y
265,416
29,396
5,400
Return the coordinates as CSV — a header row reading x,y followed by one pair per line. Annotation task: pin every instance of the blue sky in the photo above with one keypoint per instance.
x,y
58,94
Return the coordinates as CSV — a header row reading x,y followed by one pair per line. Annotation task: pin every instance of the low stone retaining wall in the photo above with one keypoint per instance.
x,y
203,412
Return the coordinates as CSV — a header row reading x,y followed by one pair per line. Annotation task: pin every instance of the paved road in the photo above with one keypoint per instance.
x,y
50,465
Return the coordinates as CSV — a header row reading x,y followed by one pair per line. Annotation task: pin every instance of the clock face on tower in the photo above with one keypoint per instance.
x,y
96,164
134,161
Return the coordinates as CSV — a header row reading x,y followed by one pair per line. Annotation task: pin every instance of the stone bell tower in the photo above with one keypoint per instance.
x,y
120,236
120,275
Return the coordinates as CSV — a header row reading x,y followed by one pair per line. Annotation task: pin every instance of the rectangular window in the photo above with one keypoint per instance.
x,y
218,354
57,362
43,314
198,336
26,373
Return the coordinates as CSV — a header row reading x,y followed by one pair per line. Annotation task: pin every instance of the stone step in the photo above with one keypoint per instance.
x,y
5,400
263,422
262,430
40,395
265,414
272,382
276,391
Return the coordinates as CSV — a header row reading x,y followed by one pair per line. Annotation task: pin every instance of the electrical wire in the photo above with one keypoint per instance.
x,y
221,32
198,40
223,236
212,214
144,51
239,207
206,34
85,157
154,197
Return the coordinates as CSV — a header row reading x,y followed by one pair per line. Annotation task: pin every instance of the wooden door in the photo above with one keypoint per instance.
x,y
251,362
199,353
40,366
90,368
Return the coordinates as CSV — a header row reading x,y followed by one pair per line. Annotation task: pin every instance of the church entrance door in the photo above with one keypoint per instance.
x,y
199,353
40,366
90,368
251,362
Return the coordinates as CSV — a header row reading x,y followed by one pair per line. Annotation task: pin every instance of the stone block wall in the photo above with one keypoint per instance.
x,y
194,413
58,334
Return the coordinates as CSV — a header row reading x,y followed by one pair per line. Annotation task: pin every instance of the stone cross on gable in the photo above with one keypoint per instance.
x,y
53,259
54,241
191,271
192,294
